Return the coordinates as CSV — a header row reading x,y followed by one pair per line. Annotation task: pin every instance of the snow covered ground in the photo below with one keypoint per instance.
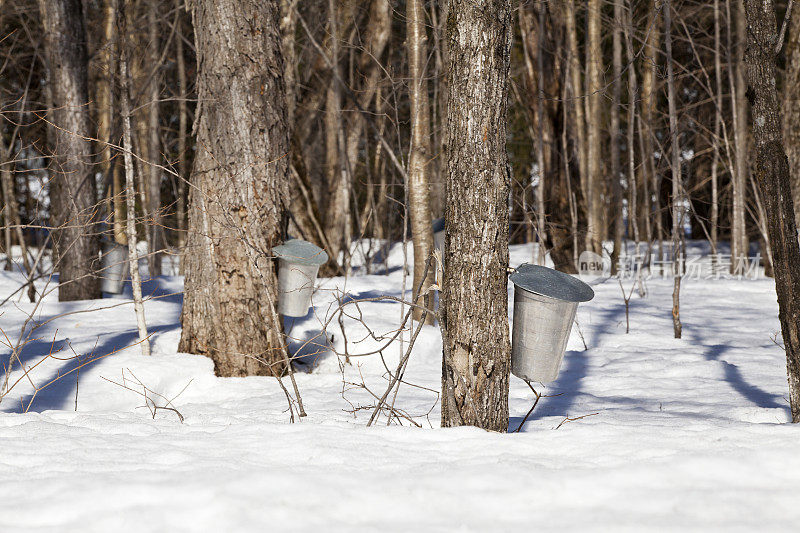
x,y
686,434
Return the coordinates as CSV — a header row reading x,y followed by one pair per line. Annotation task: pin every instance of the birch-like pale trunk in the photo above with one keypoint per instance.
x,y
130,190
420,155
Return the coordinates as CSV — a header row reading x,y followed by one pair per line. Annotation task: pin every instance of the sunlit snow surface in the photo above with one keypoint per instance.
x,y
686,434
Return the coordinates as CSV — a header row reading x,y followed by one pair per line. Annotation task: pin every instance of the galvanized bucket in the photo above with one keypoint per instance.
x,y
545,302
298,265
438,235
115,264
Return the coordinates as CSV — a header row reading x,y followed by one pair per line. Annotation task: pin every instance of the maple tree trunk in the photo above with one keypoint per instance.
x,y
477,351
72,187
772,175
239,187
791,107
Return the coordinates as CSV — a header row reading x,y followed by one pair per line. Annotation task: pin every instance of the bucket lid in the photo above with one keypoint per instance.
x,y
301,252
551,283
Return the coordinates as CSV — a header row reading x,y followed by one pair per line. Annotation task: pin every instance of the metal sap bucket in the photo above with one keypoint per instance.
x,y
438,235
115,264
298,265
545,302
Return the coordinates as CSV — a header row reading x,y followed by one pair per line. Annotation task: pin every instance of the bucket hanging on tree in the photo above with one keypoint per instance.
x,y
115,264
545,302
298,265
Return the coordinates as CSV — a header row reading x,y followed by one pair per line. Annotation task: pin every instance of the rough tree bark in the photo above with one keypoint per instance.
x,y
477,352
239,187
72,187
772,175
420,154
791,106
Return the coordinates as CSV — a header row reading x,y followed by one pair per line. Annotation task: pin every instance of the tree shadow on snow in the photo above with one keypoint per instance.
x,y
560,396
61,393
156,288
733,376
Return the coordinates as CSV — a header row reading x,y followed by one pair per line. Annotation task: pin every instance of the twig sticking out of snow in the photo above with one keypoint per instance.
x,y
150,395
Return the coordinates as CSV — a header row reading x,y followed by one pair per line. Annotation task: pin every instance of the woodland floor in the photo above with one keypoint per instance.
x,y
686,434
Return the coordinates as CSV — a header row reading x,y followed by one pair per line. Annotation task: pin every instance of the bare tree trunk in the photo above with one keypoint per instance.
x,y
594,167
717,130
477,352
239,189
541,215
376,38
772,174
105,126
677,189
739,245
71,179
533,50
650,205
183,123
7,223
576,92
130,190
156,228
791,107
616,138
337,219
420,155
288,29
12,212
633,95
438,12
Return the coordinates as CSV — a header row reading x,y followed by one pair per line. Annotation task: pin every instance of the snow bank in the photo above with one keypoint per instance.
x,y
686,434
